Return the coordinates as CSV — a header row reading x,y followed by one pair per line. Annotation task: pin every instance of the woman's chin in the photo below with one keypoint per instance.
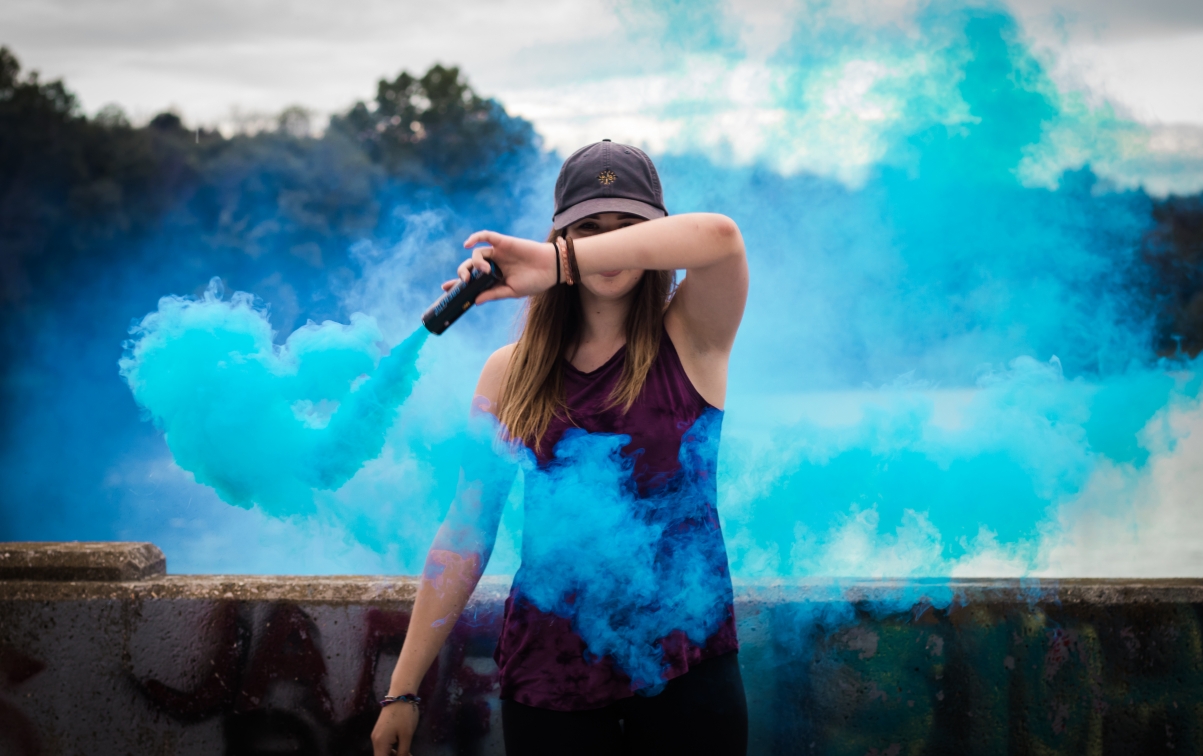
x,y
611,290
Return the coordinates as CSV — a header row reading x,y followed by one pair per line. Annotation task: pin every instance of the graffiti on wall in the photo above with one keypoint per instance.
x,y
18,736
996,674
268,681
991,677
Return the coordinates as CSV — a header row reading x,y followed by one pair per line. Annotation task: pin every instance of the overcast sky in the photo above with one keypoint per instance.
x,y
571,66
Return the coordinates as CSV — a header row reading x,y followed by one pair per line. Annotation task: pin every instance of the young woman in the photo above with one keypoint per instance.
x,y
608,347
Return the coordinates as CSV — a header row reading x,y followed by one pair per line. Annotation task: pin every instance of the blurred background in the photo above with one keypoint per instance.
x,y
975,233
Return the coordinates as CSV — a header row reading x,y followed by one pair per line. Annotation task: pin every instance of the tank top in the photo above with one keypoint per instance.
x,y
636,587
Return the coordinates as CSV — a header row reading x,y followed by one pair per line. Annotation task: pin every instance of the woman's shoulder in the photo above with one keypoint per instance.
x,y
492,375
500,359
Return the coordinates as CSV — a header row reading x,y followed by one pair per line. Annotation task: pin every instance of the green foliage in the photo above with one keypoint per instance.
x,y
436,130
71,190
1173,253
80,195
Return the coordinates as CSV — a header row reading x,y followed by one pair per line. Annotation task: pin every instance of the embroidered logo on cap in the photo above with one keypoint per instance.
x,y
607,177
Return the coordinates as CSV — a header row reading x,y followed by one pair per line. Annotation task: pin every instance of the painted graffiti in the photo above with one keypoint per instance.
x,y
241,677
269,683
18,736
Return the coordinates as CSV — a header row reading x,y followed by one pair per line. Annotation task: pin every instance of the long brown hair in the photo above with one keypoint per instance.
x,y
533,392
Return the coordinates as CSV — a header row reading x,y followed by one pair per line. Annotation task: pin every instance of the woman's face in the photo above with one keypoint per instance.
x,y
609,284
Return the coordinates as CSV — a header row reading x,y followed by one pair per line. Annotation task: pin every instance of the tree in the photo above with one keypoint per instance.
x,y
72,190
435,130
1173,252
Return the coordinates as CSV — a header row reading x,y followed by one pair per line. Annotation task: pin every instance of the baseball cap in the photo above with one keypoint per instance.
x,y
605,177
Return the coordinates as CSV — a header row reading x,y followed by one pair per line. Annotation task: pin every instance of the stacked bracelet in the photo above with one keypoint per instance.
x,y
408,698
563,259
574,272
559,275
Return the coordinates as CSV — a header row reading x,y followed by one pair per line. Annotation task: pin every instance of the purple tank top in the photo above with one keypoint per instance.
x,y
578,635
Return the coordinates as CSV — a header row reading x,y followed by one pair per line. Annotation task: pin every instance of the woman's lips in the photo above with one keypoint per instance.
x,y
610,273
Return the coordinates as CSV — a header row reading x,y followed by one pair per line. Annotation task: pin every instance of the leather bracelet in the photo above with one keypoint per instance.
x,y
573,270
556,249
563,250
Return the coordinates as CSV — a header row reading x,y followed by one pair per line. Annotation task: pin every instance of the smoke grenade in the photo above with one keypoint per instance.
x,y
456,302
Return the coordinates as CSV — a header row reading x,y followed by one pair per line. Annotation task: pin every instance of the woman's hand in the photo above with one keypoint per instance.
x,y
394,730
529,266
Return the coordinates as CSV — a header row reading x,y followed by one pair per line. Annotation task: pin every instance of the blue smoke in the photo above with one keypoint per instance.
x,y
628,570
945,366
263,424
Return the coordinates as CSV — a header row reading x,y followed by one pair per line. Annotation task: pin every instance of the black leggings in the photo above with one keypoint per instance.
x,y
701,713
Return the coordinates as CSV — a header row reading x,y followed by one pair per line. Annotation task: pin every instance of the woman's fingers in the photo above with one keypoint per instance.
x,y
382,747
464,271
477,261
483,237
501,291
394,731
529,266
481,261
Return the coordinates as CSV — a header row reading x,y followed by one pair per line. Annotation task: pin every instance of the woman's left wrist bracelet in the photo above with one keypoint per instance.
x,y
408,698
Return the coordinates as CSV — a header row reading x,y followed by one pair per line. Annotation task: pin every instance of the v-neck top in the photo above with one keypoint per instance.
x,y
585,624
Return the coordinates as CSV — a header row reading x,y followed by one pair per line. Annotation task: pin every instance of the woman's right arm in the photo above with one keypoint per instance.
x,y
454,564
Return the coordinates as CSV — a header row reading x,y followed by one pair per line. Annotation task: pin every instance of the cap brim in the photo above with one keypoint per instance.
x,y
606,205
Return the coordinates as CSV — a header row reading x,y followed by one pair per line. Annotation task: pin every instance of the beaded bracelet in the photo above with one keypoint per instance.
x,y
408,698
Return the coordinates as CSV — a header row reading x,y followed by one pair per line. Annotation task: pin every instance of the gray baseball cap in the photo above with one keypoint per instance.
x,y
607,178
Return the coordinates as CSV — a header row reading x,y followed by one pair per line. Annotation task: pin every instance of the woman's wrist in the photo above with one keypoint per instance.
x,y
402,684
403,698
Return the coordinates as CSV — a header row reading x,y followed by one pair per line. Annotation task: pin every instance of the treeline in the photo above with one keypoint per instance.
x,y
1173,258
81,195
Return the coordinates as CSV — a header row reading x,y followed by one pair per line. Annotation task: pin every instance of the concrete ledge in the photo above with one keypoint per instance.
x,y
203,664
325,589
80,560
357,589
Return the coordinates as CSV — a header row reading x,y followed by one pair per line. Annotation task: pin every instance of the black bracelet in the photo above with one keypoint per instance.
x,y
408,698
556,249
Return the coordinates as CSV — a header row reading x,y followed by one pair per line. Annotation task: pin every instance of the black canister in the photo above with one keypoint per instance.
x,y
456,302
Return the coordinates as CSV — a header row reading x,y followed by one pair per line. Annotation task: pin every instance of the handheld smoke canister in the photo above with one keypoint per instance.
x,y
456,302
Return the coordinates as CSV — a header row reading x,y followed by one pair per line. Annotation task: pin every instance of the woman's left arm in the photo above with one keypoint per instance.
x,y
708,305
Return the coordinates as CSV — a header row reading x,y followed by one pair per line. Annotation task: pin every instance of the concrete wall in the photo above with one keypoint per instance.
x,y
272,665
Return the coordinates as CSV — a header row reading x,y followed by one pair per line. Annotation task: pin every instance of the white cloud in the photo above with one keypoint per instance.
x,y
1138,522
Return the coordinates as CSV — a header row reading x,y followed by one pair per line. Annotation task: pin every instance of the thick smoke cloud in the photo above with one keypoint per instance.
x,y
630,570
261,424
947,365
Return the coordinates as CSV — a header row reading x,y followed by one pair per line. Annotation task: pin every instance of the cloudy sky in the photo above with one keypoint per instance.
x,y
577,68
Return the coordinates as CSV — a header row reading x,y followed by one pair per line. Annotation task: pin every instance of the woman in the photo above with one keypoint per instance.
x,y
608,351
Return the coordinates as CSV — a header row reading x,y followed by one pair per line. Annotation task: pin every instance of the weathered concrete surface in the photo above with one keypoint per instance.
x,y
257,665
80,560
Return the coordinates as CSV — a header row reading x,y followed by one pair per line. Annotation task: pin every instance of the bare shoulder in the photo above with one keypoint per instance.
x,y
492,375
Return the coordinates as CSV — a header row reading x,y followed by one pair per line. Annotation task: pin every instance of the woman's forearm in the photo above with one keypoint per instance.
x,y
680,242
447,583
454,564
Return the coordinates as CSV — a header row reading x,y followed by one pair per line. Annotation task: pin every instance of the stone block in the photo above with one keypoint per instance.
x,y
80,561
